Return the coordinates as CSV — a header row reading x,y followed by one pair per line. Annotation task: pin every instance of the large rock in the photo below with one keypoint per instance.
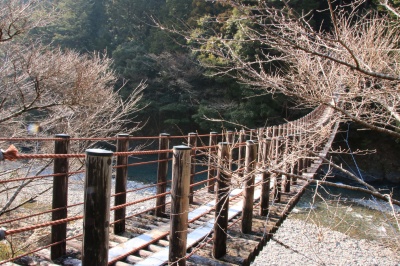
x,y
376,156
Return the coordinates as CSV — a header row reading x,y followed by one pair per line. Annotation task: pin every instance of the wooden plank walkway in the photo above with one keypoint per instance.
x,y
161,257
151,247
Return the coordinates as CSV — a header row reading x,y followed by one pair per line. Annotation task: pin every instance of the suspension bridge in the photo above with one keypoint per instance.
x,y
216,199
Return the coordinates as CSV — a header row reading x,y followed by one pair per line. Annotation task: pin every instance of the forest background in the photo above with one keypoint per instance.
x,y
180,92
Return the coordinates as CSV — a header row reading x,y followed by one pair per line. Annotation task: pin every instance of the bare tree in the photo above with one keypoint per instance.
x,y
45,91
58,91
356,62
18,17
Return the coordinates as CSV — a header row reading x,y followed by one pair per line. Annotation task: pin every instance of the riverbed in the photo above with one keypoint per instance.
x,y
334,227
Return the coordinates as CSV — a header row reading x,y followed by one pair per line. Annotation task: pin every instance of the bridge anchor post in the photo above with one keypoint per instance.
x,y
162,172
248,191
60,196
121,177
222,201
180,190
212,171
96,220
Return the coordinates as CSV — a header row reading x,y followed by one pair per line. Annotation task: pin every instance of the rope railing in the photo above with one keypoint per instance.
x,y
274,146
39,177
38,214
10,232
39,249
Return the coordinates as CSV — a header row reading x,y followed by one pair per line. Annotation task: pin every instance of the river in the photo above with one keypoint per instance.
x,y
354,213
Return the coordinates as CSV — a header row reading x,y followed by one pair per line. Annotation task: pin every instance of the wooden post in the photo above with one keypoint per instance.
x,y
281,153
179,205
265,185
242,151
287,166
60,196
275,144
230,137
120,183
266,152
222,201
301,159
252,134
264,201
162,172
273,158
96,220
260,145
295,147
212,172
248,191
276,151
192,140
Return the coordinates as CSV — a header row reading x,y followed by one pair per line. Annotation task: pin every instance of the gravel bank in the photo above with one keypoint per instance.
x,y
301,243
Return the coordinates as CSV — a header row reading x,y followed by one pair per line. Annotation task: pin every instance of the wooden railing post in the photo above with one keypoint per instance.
x,y
277,153
248,191
120,183
260,145
179,205
192,140
96,220
242,151
265,189
222,201
230,137
162,172
293,150
286,166
60,196
301,159
252,134
212,172
273,160
265,185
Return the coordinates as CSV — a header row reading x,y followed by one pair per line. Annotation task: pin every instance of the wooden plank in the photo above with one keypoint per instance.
x,y
120,263
118,239
133,259
161,257
145,238
138,241
155,248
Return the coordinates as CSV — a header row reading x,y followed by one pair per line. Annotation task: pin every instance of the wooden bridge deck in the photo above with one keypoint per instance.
x,y
146,238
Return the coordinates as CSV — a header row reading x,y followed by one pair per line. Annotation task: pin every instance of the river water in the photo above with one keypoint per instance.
x,y
354,213
148,173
